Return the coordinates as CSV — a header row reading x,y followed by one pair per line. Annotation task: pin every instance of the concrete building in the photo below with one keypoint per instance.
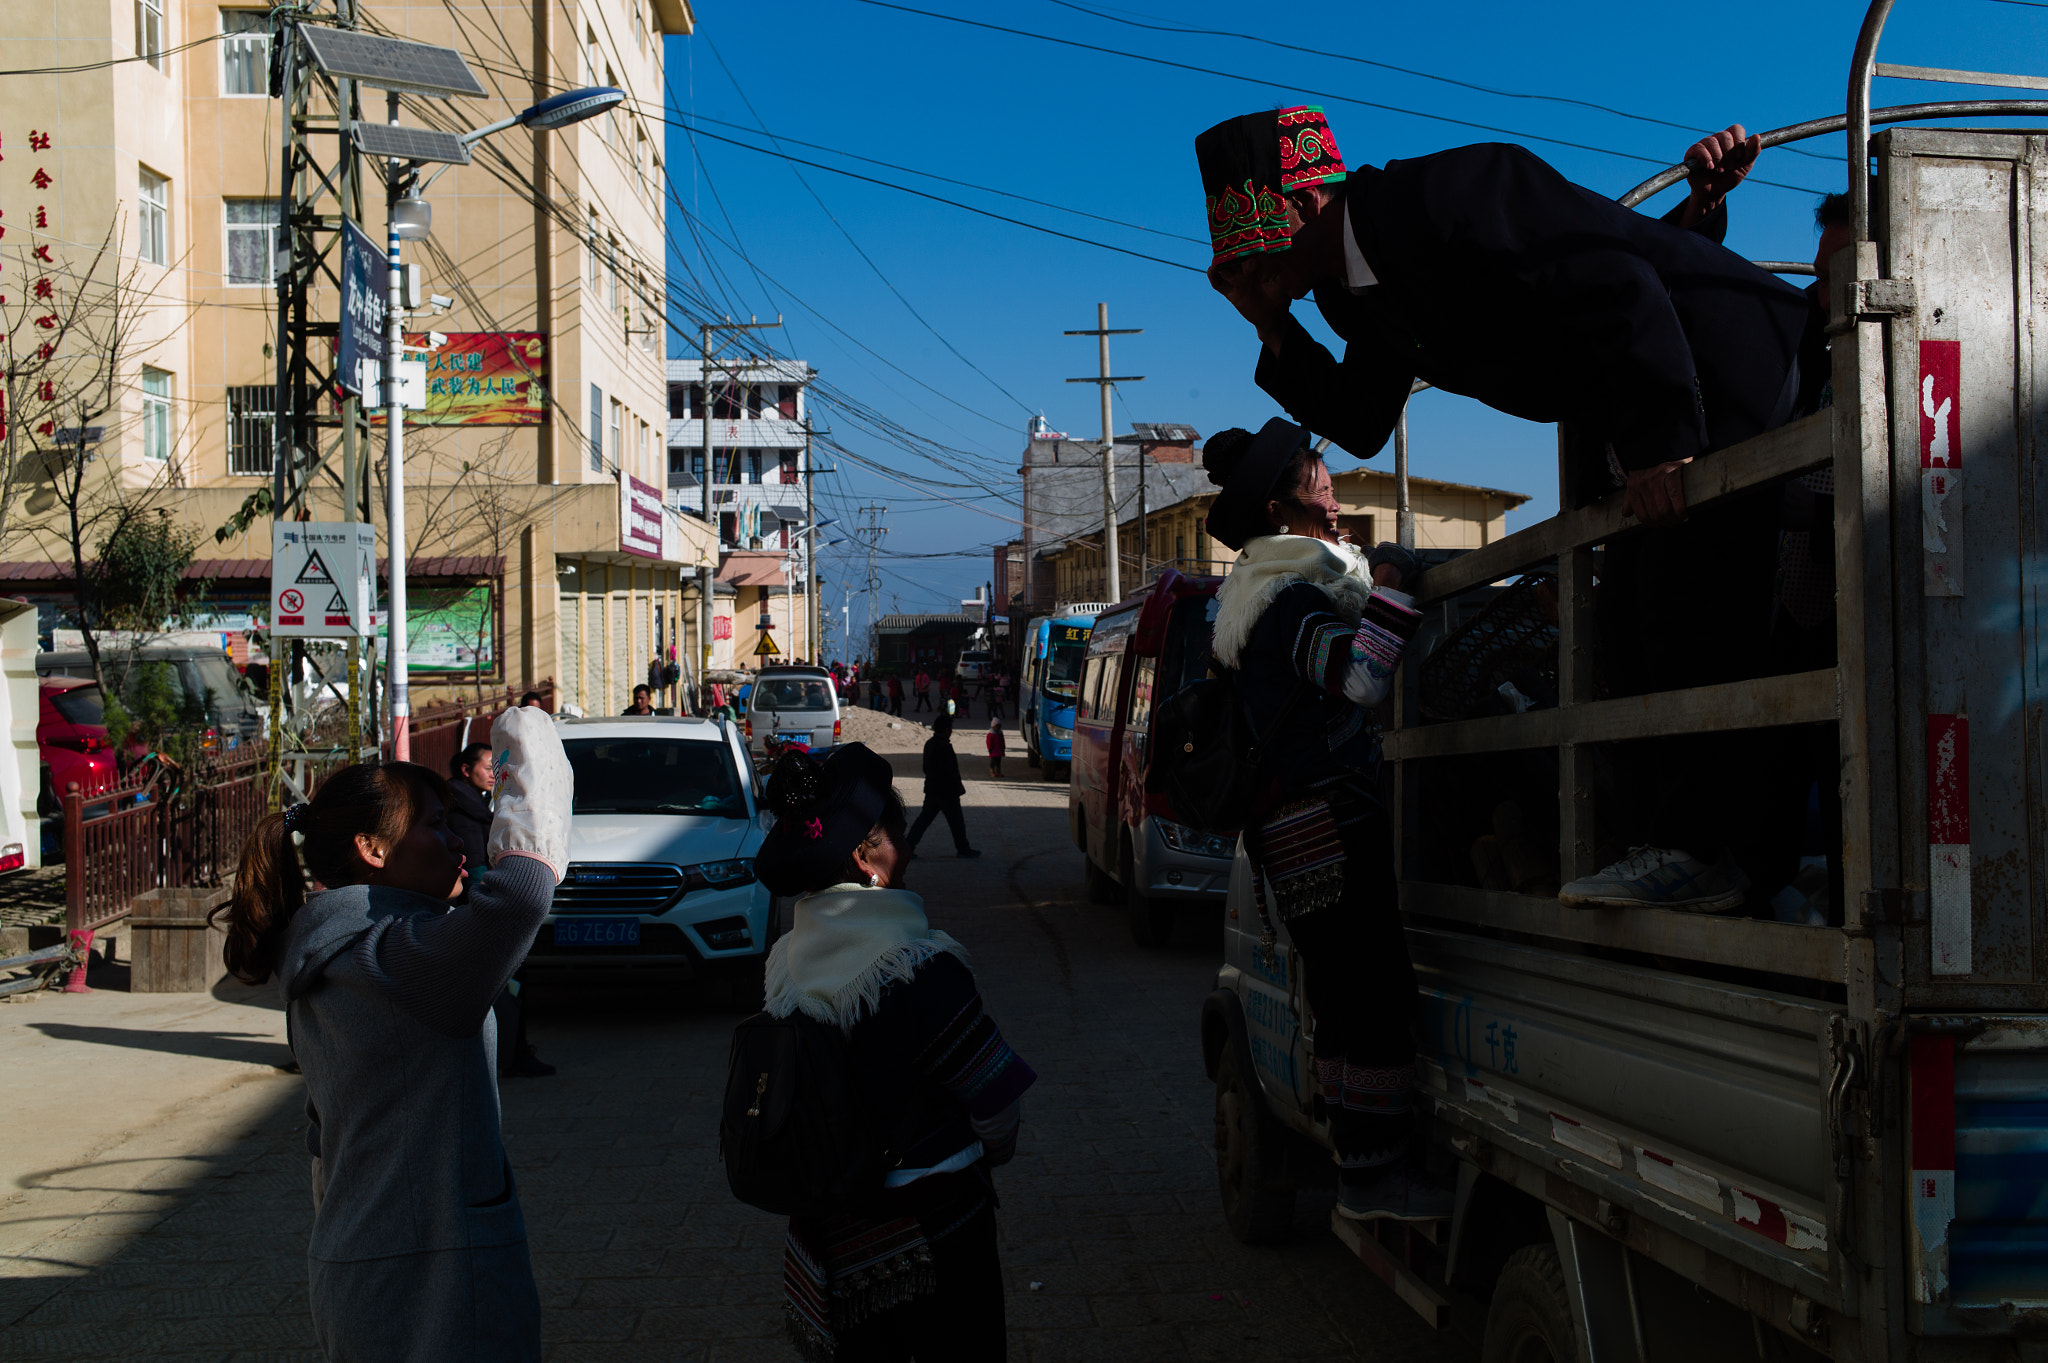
x,y
1447,516
550,500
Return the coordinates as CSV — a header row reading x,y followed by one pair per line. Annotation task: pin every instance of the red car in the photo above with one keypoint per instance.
x,y
71,731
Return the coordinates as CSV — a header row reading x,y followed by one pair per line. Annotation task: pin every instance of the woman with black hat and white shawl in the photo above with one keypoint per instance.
x,y
915,1275
1314,630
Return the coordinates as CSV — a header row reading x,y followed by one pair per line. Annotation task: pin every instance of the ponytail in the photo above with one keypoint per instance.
x,y
377,800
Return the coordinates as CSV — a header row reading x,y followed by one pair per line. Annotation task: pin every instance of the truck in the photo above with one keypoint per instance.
x,y
1053,647
1134,853
1681,1136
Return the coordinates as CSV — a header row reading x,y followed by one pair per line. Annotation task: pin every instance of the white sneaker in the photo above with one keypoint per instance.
x,y
1661,878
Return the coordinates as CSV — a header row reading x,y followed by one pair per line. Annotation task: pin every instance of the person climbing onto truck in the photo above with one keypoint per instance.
x,y
1314,630
1482,271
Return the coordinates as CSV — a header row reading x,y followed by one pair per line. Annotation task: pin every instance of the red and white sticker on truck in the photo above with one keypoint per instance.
x,y
1948,843
1941,467
1932,1200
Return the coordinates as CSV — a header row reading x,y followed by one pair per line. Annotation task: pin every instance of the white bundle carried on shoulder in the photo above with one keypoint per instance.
x,y
536,789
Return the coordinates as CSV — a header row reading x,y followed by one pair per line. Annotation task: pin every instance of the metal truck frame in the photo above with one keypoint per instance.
x,y
1723,1138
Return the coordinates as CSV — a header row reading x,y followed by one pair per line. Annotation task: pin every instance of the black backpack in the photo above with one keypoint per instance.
x,y
794,1136
1206,756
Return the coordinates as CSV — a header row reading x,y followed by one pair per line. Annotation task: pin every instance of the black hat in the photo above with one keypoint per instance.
x,y
1250,164
1246,467
823,810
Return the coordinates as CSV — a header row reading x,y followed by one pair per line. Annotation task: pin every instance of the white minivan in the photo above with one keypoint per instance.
x,y
792,705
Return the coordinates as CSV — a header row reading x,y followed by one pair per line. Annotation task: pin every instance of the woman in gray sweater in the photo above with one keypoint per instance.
x,y
418,1249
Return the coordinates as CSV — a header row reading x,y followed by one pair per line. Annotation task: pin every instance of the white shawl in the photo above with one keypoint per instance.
x,y
849,943
1270,564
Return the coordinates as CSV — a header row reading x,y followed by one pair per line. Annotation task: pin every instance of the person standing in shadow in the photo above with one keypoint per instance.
x,y
942,787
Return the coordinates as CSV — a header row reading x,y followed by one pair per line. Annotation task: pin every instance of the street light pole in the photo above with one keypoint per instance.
x,y
398,704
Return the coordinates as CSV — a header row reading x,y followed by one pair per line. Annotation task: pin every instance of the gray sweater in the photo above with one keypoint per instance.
x,y
388,1000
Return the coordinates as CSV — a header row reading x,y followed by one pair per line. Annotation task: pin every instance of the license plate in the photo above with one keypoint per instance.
x,y
803,738
597,932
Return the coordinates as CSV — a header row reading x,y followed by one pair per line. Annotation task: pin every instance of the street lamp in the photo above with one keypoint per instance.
x,y
409,217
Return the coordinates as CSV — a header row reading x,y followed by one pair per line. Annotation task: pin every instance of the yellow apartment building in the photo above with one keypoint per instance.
x,y
150,125
1447,516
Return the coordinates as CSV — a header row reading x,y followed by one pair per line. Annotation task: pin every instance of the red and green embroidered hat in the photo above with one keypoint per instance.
x,y
1250,163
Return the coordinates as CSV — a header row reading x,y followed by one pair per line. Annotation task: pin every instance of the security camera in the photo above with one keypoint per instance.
x,y
435,340
440,303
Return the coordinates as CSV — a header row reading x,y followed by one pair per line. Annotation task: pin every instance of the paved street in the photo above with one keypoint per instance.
x,y
182,1236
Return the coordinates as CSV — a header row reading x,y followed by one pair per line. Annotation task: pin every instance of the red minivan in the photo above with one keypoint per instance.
x,y
1141,651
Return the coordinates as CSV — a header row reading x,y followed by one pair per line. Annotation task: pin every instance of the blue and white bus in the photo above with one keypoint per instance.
x,y
1053,648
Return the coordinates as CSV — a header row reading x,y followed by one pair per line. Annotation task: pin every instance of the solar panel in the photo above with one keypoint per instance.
x,y
389,64
410,144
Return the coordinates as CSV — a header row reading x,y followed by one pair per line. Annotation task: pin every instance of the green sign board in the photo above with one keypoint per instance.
x,y
448,629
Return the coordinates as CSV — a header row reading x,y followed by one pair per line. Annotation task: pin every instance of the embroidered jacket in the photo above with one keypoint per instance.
x,y
1347,668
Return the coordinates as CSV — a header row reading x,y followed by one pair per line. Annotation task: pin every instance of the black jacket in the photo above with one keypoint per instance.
x,y
469,815
1501,280
942,771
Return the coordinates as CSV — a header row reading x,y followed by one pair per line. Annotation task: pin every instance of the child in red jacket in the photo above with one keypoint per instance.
x,y
996,746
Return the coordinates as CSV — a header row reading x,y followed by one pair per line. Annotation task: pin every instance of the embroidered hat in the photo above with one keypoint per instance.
x,y
1250,163
823,810
1245,467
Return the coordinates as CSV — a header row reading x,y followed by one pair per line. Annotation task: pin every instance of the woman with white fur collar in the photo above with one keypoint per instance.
x,y
913,1275
1314,631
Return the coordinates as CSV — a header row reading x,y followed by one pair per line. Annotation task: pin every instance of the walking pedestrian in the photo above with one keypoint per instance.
x,y
1314,632
996,689
895,695
471,778
996,746
418,1249
924,689
942,788
915,1273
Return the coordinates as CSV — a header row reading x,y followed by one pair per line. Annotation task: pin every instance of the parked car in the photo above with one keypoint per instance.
x,y
976,665
792,705
1139,652
232,714
71,737
662,835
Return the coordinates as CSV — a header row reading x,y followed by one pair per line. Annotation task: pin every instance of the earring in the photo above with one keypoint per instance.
x,y
874,880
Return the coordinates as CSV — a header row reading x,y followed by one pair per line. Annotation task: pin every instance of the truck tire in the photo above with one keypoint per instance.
x,y
1102,887
1248,1151
1530,1320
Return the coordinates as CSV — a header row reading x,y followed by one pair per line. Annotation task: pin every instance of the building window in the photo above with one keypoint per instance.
x,y
611,269
754,400
252,240
725,465
618,447
596,429
156,414
153,218
679,402
727,407
252,429
149,32
787,403
639,28
789,466
753,466
697,466
245,52
678,466
595,248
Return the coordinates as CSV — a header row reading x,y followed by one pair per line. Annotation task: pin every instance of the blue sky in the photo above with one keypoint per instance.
x,y
1111,136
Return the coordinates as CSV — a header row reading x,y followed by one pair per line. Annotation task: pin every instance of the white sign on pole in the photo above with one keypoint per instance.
x,y
323,579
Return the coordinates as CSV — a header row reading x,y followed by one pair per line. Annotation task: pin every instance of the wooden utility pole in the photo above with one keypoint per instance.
x,y
1112,578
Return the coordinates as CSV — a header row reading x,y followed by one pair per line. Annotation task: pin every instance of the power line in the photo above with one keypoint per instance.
x,y
1406,70
1303,89
116,61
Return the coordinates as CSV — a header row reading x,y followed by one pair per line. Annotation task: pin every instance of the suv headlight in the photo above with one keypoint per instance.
x,y
1058,730
719,875
1181,838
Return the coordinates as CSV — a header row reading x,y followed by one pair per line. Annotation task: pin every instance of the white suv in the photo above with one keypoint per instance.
x,y
662,838
793,704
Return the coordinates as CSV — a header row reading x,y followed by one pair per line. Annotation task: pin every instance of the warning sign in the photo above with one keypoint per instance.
x,y
766,648
322,579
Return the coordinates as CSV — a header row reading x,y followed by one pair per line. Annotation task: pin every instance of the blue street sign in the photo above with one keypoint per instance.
x,y
365,274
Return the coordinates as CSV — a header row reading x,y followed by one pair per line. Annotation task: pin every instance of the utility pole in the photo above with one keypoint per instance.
x,y
872,531
1404,515
1113,578
705,572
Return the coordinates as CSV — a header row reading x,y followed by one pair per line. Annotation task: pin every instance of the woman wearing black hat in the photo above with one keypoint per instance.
x,y
916,1275
1314,630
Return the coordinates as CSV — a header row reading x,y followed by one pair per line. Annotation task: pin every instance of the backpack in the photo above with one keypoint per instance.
x,y
793,1135
1206,756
